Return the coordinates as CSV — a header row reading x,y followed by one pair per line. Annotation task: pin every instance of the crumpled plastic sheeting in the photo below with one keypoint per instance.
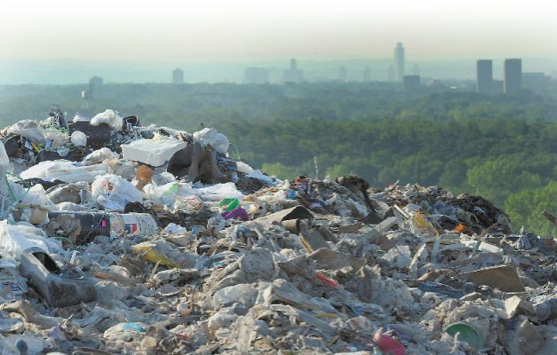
x,y
113,193
211,136
15,240
110,117
64,170
30,130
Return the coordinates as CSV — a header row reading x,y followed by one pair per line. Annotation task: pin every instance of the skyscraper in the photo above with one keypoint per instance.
x,y
177,76
399,62
513,75
484,76
293,75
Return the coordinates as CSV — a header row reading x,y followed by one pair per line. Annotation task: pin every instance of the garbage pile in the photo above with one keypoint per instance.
x,y
119,238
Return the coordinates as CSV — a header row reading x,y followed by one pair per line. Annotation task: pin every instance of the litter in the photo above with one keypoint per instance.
x,y
122,238
154,152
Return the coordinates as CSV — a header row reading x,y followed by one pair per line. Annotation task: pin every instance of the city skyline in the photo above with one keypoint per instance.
x,y
64,42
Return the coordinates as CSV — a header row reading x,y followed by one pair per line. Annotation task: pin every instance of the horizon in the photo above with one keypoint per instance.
x,y
75,72
153,37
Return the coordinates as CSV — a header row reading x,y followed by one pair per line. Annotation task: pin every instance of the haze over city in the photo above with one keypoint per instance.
x,y
67,42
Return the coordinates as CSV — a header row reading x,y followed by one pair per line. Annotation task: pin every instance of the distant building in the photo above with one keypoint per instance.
x,y
293,75
256,76
342,74
535,80
484,76
367,74
411,82
177,76
399,62
512,75
95,86
391,74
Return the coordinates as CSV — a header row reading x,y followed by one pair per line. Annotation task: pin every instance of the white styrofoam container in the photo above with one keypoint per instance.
x,y
154,152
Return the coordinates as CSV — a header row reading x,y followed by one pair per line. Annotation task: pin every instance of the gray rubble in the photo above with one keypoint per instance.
x,y
147,240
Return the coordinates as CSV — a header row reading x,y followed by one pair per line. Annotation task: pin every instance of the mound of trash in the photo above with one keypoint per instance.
x,y
122,238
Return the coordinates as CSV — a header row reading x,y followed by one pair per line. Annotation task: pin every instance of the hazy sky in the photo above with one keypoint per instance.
x,y
200,30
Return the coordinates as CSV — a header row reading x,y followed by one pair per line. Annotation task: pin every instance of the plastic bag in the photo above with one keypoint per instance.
x,y
79,139
244,168
4,160
162,195
110,117
55,139
30,130
65,171
211,136
113,193
258,174
218,192
36,195
80,118
16,239
99,155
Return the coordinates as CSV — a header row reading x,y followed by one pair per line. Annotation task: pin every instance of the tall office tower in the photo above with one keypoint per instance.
x,y
513,75
399,62
177,76
367,73
293,75
484,76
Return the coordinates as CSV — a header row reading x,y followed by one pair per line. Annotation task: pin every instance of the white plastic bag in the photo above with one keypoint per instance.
x,y
80,118
65,171
110,117
16,239
211,136
55,139
36,195
244,168
79,139
4,160
30,130
113,193
100,155
218,192
162,195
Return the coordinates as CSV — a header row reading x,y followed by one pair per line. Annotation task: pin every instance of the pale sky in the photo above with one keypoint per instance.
x,y
213,30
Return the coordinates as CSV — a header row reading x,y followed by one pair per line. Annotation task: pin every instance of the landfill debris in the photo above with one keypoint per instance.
x,y
122,238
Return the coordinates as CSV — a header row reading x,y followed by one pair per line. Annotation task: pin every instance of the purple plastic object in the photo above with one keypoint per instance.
x,y
237,213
